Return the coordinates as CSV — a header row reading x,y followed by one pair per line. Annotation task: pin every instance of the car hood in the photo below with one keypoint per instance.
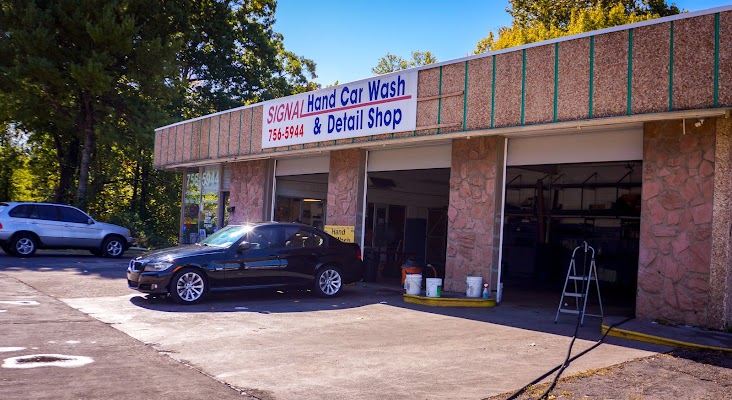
x,y
112,227
189,250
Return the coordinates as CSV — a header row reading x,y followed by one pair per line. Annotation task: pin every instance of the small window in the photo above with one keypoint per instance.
x,y
298,238
69,214
318,241
45,212
21,211
266,237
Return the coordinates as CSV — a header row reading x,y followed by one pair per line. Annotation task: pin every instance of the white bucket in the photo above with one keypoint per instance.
x,y
432,285
474,286
413,284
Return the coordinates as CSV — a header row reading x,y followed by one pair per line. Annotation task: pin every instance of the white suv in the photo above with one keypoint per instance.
x,y
25,227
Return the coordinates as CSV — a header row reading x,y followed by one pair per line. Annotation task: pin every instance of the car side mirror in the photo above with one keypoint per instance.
x,y
90,221
244,246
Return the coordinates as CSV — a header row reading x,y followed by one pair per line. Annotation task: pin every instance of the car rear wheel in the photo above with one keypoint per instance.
x,y
113,247
328,281
188,286
24,245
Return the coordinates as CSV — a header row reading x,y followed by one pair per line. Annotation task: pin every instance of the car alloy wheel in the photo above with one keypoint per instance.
x,y
329,282
24,246
189,287
113,247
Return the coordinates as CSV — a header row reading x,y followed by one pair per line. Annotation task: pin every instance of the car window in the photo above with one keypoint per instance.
x,y
318,240
296,237
227,236
69,214
266,237
42,211
21,211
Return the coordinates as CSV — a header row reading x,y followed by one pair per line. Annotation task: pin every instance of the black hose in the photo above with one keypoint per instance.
x,y
567,362
568,359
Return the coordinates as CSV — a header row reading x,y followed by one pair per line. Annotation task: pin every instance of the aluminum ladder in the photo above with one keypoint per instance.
x,y
578,295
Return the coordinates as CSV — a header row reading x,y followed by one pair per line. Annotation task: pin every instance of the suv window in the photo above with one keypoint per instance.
x,y
69,214
46,212
21,211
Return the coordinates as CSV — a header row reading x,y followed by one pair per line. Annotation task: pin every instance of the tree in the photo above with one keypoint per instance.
x,y
537,20
390,62
89,80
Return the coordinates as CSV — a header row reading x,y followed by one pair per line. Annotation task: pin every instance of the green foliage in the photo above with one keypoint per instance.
x,y
88,81
538,20
390,62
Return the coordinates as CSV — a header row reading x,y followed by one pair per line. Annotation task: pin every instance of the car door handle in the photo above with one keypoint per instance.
x,y
273,257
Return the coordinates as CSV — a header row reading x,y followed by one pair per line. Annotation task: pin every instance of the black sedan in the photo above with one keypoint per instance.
x,y
252,256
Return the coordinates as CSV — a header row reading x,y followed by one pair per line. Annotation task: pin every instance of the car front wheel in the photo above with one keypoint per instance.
x,y
328,281
188,286
24,245
113,247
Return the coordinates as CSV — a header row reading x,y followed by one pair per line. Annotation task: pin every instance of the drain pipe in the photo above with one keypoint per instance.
x,y
499,282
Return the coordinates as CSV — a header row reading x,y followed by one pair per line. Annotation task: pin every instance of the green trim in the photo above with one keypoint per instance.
x,y
465,99
199,142
175,144
167,148
228,141
218,139
592,74
671,68
241,121
716,60
629,109
493,92
208,151
556,79
251,131
439,103
523,84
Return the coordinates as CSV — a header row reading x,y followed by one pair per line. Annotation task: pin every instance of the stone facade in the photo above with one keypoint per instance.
x,y
676,222
345,189
249,191
720,269
474,214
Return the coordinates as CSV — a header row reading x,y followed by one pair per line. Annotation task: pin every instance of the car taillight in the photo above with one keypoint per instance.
x,y
1,225
358,252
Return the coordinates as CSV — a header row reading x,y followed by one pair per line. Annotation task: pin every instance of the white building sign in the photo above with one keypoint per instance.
x,y
382,104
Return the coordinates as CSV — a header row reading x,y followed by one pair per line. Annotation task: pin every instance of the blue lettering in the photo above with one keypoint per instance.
x,y
323,102
378,118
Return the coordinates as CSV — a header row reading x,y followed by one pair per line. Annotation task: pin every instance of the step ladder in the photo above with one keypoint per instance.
x,y
577,293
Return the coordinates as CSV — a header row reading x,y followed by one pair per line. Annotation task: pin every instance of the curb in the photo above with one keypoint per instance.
x,y
448,301
643,337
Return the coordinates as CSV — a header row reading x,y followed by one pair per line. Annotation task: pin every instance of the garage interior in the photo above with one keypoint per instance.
x,y
552,208
406,223
301,198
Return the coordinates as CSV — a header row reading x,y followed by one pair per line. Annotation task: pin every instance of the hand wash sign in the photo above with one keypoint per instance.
x,y
382,104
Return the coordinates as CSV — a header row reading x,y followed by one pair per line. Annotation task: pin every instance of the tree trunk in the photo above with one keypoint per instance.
x,y
86,125
68,157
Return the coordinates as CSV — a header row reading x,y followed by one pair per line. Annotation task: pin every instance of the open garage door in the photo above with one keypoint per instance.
x,y
301,188
562,191
406,209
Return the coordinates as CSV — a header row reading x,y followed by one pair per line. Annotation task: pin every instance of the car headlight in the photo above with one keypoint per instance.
x,y
158,266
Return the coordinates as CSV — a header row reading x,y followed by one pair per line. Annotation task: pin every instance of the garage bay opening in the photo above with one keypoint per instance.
x,y
550,209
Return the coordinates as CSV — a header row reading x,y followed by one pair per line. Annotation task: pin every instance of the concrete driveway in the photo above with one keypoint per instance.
x,y
366,343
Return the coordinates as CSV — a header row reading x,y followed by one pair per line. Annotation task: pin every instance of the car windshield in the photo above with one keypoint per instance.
x,y
227,236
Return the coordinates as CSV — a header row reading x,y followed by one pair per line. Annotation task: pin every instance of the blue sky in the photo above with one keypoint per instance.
x,y
346,38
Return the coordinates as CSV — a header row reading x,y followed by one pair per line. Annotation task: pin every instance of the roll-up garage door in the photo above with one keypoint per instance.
x,y
597,146
303,166
407,158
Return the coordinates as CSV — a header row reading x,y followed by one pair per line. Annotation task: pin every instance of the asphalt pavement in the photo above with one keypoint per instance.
x,y
366,343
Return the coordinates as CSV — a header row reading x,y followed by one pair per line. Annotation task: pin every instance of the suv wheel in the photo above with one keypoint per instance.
x,y
24,245
188,286
328,281
113,247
